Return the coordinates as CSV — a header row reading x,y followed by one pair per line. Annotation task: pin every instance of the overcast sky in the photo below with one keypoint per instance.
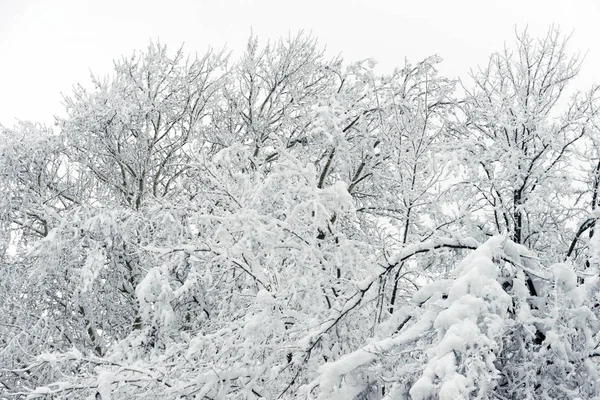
x,y
47,46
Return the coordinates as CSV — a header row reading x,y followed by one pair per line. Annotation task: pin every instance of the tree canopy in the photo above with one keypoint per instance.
x,y
288,225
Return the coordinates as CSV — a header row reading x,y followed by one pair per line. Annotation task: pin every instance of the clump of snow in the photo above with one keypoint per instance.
x,y
104,381
565,277
436,288
580,294
344,198
423,388
264,297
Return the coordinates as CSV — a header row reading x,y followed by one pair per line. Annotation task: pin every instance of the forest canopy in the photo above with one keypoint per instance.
x,y
289,225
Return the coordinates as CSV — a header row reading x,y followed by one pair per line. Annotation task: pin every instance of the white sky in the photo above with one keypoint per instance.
x,y
47,46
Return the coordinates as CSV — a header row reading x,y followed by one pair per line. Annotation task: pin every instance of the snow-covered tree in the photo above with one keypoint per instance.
x,y
519,137
291,226
480,334
133,131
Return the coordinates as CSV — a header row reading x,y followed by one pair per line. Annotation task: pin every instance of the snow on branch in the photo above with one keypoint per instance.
x,y
465,316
